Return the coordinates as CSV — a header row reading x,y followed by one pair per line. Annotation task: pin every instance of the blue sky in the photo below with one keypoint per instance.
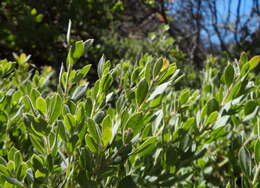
x,y
245,9
222,9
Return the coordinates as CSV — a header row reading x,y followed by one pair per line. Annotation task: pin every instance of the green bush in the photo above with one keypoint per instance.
x,y
131,128
38,27
158,44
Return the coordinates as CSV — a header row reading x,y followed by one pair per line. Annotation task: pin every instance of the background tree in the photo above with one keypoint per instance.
x,y
211,26
198,27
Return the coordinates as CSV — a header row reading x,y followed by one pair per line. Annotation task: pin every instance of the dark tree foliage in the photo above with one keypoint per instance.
x,y
40,26
197,26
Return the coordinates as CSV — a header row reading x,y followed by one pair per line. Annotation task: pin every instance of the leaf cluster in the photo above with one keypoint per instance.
x,y
131,128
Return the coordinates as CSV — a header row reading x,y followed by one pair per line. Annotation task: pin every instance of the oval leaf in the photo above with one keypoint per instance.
x,y
106,130
245,161
135,122
141,91
257,151
41,105
55,108
229,75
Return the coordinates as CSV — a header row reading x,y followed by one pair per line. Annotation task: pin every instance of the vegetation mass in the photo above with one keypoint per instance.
x,y
149,100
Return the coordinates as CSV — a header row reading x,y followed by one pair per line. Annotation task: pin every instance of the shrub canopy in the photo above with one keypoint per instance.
x,y
130,128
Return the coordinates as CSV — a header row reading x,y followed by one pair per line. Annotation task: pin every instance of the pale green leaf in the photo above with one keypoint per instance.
x,y
106,130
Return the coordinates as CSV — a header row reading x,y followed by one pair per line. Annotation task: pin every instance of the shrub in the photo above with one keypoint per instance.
x,y
38,27
131,128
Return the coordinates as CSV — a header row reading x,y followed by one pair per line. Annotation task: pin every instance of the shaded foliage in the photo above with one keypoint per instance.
x,y
131,127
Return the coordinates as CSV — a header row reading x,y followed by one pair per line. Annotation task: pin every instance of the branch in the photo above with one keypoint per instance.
x,y
213,10
237,22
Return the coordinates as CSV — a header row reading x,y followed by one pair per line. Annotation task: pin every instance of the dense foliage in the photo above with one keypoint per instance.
x,y
199,28
130,128
38,27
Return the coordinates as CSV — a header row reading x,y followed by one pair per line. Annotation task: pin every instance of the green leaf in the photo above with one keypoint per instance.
x,y
52,139
29,103
141,91
229,75
39,174
81,74
184,96
39,18
11,153
147,143
135,74
147,71
157,67
250,107
185,142
135,122
222,121
21,172
250,65
106,130
170,71
34,95
159,90
29,175
84,71
187,125
92,146
212,118
3,170
18,159
105,82
158,121
212,106
50,162
55,108
10,166
17,115
40,127
203,112
77,49
228,185
88,43
80,113
37,144
254,114
62,131
68,32
75,52
253,62
79,92
41,105
245,161
88,106
3,161
217,133
244,69
99,116
69,122
234,91
37,162
101,65
243,58
95,90
14,181
257,151
94,131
